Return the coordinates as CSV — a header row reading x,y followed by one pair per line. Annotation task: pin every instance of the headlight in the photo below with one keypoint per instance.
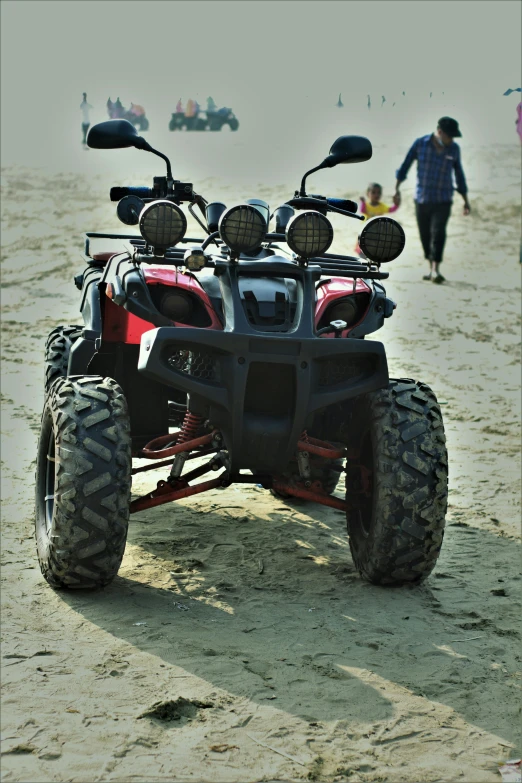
x,y
176,305
242,228
382,239
162,224
194,259
309,234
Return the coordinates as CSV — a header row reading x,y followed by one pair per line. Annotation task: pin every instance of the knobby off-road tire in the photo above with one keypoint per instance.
x,y
397,531
57,349
83,482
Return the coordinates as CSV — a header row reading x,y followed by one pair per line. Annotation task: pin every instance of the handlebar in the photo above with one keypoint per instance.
x,y
342,203
117,193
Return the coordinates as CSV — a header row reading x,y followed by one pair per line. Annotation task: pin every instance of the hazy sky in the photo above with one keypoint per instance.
x,y
259,57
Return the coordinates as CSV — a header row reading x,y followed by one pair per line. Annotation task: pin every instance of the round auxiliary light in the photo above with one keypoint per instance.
x,y
242,228
162,224
309,234
382,239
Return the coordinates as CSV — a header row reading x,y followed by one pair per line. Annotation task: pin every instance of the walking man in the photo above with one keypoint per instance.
x,y
438,157
86,122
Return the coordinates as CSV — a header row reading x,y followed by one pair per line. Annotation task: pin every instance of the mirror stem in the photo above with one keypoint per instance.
x,y
143,144
302,192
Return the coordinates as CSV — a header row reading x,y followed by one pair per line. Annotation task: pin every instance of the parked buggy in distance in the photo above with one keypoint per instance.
x,y
205,120
135,115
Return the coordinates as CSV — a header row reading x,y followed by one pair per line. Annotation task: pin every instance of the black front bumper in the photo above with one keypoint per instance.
x,y
259,391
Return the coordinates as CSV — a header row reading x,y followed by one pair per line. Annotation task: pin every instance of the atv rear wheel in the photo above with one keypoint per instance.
x,y
57,349
83,480
396,524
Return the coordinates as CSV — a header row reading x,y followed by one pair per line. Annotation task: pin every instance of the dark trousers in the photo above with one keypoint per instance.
x,y
431,220
85,128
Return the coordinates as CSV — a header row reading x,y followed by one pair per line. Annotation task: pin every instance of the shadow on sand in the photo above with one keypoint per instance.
x,y
271,608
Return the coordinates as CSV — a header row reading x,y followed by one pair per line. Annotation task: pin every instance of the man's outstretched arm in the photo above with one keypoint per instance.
x,y
402,172
462,187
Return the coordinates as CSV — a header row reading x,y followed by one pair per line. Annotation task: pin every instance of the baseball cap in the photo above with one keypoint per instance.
x,y
450,126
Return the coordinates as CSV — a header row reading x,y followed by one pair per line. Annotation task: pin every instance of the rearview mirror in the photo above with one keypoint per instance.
x,y
113,134
348,149
345,149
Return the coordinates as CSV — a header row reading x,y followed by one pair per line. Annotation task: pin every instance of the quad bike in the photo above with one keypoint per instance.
x,y
140,121
247,357
116,111
213,121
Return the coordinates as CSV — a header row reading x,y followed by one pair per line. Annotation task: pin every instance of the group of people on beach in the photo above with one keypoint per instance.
x,y
117,110
192,108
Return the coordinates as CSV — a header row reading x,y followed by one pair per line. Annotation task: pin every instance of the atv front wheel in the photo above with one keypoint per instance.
x,y
83,481
57,349
396,519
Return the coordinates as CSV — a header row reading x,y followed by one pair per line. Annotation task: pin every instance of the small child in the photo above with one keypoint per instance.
x,y
374,206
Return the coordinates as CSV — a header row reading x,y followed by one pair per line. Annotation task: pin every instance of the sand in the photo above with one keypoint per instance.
x,y
238,643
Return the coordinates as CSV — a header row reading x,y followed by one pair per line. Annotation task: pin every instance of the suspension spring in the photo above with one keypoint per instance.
x,y
190,425
188,430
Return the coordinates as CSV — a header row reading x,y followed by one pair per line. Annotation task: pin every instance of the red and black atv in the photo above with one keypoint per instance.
x,y
243,356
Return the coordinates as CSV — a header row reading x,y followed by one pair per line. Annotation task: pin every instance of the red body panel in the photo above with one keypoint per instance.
x,y
338,288
121,326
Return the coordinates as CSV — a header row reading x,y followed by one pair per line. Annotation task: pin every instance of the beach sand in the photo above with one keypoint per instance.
x,y
241,614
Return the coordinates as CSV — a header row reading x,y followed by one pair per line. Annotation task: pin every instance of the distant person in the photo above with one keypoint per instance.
x,y
190,114
339,103
369,102
372,206
86,121
179,107
211,105
518,123
438,157
137,110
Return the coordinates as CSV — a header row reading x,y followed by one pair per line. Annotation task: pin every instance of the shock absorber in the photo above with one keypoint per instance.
x,y
303,461
188,431
190,425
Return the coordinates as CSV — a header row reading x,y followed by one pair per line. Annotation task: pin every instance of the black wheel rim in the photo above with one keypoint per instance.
x,y
50,479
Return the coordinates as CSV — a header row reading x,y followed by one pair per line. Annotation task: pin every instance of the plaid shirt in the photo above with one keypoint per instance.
x,y
434,171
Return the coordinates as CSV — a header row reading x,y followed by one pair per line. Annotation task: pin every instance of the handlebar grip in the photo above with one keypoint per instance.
x,y
118,193
343,203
